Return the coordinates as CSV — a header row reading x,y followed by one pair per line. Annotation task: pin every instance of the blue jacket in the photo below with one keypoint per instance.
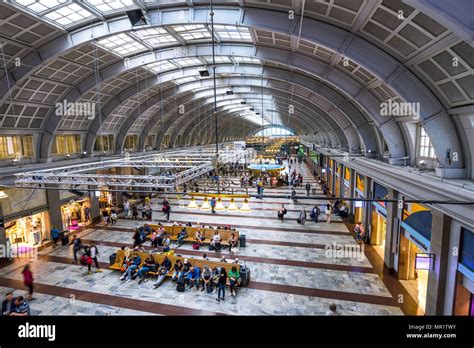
x,y
54,233
137,261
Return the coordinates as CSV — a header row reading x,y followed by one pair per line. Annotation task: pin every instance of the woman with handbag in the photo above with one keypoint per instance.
x,y
234,277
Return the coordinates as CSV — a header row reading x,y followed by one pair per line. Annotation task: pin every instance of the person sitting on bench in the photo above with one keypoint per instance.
x,y
166,243
233,242
206,279
178,266
193,277
216,242
200,237
162,272
148,266
234,277
183,234
133,267
186,268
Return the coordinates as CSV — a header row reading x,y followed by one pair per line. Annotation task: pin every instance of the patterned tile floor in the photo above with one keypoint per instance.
x,y
285,279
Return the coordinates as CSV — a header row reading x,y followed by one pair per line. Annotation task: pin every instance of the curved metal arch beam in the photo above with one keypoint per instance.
x,y
238,50
357,119
302,125
171,92
330,123
172,119
254,94
193,120
435,117
225,115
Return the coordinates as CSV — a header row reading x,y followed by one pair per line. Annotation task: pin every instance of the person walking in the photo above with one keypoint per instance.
x,y
308,188
28,280
213,205
166,210
54,236
126,209
77,245
328,213
282,212
302,218
221,284
94,252
293,195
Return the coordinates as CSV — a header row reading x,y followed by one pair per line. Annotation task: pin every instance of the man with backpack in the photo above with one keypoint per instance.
x,y
77,245
308,188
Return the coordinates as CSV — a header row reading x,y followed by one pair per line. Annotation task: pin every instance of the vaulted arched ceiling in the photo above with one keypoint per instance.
x,y
335,61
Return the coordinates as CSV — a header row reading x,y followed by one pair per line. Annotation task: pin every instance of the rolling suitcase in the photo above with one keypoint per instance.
x,y
64,239
244,275
242,240
112,258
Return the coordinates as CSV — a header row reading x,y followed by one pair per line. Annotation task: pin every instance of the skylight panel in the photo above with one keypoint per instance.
x,y
161,66
247,60
121,44
109,6
155,37
187,61
219,59
184,80
233,33
68,15
38,6
192,31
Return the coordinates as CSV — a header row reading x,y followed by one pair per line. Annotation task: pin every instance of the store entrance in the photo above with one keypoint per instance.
x,y
413,276
27,233
378,231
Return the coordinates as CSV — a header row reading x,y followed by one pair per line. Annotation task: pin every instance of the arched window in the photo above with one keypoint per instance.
x,y
425,146
274,132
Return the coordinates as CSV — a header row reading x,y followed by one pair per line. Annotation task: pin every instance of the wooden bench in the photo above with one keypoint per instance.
x,y
174,231
173,258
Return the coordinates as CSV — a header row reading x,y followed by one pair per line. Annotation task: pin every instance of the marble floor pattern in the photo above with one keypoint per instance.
x,y
297,278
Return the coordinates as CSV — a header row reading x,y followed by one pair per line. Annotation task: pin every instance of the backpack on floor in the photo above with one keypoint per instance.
x,y
180,285
196,246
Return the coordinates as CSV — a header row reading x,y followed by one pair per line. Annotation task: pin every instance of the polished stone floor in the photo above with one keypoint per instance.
x,y
291,272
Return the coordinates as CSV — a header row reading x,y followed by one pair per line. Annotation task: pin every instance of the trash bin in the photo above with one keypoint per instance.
x,y
242,240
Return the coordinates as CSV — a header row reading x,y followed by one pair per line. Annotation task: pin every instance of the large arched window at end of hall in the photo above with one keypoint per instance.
x,y
274,132
425,147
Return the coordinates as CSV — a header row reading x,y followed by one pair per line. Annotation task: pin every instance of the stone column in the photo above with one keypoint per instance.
x,y
3,236
341,182
95,208
439,245
54,205
333,186
367,214
352,187
394,214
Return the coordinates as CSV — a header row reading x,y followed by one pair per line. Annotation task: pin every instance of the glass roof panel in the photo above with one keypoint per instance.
x,y
247,60
184,80
187,61
192,31
233,33
69,15
160,66
219,59
155,37
121,44
38,6
109,6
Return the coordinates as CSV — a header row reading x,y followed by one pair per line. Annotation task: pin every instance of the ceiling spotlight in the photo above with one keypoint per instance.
x,y
229,92
257,113
243,102
204,73
252,109
137,18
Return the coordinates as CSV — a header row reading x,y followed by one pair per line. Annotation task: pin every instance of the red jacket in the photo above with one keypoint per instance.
x,y
27,277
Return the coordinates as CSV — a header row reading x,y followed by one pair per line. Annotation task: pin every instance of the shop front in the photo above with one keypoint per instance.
x,y
464,293
378,226
76,213
415,260
27,232
359,193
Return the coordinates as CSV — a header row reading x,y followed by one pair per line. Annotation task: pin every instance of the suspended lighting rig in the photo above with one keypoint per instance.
x,y
183,165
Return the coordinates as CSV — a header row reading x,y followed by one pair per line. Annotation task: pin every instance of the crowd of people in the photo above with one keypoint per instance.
x,y
183,274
